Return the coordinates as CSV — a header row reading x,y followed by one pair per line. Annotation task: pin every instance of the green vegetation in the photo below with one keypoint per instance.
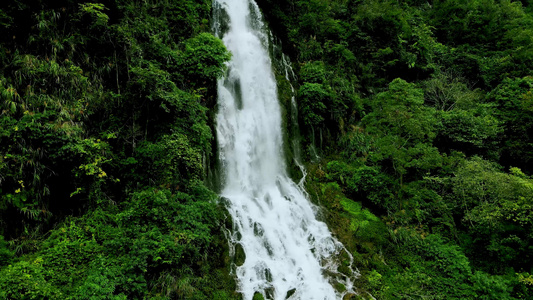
x,y
421,111
104,133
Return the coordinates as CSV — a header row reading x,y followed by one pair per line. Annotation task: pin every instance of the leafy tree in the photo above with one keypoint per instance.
x,y
203,59
514,100
314,98
496,208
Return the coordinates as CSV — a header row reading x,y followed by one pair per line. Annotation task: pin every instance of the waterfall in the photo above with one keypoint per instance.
x,y
289,254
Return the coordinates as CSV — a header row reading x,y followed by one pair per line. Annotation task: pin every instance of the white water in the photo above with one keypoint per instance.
x,y
287,249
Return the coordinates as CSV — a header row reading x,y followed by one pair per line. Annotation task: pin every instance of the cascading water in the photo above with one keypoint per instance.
x,y
288,251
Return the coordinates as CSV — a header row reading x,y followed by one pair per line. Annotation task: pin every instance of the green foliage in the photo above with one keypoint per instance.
x,y
5,254
99,103
203,59
400,111
492,287
121,255
5,20
172,162
470,127
429,268
514,100
95,10
402,129
313,72
26,280
364,225
491,37
372,184
313,105
498,211
419,108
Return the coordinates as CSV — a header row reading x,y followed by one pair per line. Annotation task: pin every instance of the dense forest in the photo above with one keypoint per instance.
x,y
416,121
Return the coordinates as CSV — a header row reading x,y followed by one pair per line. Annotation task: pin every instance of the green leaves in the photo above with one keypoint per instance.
x,y
313,99
498,208
99,104
5,20
6,255
26,280
118,255
173,161
400,111
420,108
514,100
473,127
313,72
95,10
203,59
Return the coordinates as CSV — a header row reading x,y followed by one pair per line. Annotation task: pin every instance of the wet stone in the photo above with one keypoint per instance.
x,y
240,256
290,293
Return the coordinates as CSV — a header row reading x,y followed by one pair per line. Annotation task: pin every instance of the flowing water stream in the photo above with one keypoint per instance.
x,y
289,254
